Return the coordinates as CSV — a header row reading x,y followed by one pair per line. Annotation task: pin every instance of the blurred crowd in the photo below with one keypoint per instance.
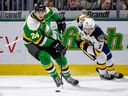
x,y
96,4
6,5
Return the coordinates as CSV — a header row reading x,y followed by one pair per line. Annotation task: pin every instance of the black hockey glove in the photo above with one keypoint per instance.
x,y
61,25
60,48
84,43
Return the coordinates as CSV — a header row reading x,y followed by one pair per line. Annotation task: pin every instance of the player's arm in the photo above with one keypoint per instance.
x,y
54,16
100,35
101,38
59,20
82,43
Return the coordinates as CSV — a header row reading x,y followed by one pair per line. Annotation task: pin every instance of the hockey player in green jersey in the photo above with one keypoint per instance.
x,y
43,43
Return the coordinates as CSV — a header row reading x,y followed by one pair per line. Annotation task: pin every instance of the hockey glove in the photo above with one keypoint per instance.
x,y
61,25
60,48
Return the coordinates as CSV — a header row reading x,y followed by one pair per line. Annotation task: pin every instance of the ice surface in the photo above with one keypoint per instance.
x,y
44,86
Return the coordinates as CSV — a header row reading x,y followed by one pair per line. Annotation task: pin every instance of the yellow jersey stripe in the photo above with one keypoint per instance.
x,y
27,38
38,41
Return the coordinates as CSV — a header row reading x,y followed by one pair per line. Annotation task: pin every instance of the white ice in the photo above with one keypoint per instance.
x,y
44,86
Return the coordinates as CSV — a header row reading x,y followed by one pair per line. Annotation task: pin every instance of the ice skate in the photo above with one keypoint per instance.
x,y
71,80
118,75
104,75
58,81
107,76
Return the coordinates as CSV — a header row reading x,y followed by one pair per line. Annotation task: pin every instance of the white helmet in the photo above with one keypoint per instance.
x,y
89,23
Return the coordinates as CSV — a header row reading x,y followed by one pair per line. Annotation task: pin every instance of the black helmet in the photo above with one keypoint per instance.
x,y
39,6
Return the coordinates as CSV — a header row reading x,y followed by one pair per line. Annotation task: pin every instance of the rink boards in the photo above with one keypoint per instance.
x,y
15,60
34,69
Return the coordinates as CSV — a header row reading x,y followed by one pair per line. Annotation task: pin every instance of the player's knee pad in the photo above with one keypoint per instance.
x,y
101,58
33,50
44,58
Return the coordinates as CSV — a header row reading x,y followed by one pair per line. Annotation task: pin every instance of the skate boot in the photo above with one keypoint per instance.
x,y
104,75
118,75
71,80
58,81
107,76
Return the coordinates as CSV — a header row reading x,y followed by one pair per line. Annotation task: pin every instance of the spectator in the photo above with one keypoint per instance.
x,y
46,2
49,3
73,5
83,4
123,5
7,5
92,4
107,5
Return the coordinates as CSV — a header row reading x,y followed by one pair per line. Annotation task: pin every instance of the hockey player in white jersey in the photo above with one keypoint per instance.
x,y
92,42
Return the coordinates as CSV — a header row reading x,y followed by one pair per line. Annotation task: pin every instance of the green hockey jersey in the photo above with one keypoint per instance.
x,y
40,32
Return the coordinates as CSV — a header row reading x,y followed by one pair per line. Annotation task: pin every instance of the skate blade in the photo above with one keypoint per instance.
x,y
76,85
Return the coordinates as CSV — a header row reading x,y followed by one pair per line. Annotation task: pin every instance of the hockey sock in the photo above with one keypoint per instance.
x,y
66,72
51,70
111,69
110,66
45,60
62,61
101,68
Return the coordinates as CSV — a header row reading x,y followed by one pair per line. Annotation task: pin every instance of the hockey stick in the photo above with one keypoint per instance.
x,y
61,69
89,55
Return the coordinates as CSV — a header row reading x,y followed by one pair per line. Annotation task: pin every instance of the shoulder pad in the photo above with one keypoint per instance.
x,y
32,23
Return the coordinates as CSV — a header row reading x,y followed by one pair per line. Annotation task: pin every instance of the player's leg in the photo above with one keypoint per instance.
x,y
110,64
94,54
111,69
45,60
57,51
101,66
62,61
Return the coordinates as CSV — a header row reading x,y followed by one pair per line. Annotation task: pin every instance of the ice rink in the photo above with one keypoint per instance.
x,y
44,86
